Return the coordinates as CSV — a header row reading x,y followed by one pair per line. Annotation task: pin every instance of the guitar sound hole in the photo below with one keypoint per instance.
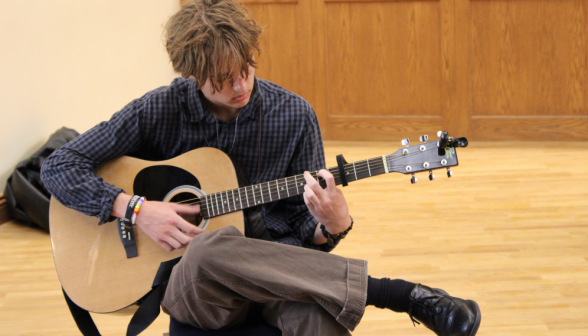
x,y
189,199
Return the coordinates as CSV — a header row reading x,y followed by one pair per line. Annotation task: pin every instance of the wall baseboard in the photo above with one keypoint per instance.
x,y
4,214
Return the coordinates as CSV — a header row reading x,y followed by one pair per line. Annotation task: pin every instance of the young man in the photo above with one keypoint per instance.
x,y
273,133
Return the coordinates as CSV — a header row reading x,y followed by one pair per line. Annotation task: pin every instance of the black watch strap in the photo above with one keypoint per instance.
x,y
333,238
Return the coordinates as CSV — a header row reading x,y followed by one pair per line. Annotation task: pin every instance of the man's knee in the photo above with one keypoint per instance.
x,y
203,248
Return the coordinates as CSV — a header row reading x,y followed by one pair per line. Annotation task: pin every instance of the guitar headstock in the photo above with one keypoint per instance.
x,y
426,156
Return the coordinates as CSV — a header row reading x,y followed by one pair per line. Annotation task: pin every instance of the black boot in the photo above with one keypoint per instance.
x,y
444,314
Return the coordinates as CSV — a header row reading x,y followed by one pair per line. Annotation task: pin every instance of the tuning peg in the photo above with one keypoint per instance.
x,y
405,142
449,173
413,179
458,142
424,138
442,143
431,175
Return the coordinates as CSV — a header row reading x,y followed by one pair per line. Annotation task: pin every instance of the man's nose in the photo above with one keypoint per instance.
x,y
239,84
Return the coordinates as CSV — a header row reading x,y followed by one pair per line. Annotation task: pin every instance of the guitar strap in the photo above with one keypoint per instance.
x,y
81,317
148,311
126,231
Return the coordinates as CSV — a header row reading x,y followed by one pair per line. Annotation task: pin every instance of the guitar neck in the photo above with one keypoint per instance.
x,y
228,201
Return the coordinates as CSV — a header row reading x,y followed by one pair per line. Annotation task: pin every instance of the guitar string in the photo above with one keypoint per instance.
x,y
394,168
216,213
361,165
335,175
270,193
277,181
364,163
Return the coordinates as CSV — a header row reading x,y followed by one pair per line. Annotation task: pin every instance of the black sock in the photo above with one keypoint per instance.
x,y
391,294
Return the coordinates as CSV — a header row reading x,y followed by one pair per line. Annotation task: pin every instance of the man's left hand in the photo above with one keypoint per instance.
x,y
327,205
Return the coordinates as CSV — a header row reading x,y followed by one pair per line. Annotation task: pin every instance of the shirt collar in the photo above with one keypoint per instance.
x,y
198,112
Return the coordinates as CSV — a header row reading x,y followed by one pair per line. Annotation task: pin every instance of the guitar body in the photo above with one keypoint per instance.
x,y
90,259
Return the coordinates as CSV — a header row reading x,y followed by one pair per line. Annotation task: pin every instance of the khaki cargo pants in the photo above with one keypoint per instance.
x,y
303,291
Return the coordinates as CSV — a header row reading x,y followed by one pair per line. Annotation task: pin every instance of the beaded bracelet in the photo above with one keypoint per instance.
x,y
136,210
332,238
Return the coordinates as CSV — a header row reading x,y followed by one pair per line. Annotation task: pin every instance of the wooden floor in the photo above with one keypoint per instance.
x,y
509,230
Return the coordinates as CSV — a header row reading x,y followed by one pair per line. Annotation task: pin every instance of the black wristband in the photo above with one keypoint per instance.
x,y
131,208
333,238
126,231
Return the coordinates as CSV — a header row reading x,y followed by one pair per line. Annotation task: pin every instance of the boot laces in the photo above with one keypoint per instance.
x,y
427,304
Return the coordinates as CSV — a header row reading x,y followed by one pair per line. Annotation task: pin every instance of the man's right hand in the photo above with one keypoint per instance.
x,y
161,221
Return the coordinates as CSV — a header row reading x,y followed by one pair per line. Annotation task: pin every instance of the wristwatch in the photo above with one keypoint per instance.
x,y
335,238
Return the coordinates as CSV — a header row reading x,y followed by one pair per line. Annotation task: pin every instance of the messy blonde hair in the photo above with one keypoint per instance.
x,y
208,39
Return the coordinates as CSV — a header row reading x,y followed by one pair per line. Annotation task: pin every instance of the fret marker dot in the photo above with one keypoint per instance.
x,y
258,202
237,198
300,183
282,188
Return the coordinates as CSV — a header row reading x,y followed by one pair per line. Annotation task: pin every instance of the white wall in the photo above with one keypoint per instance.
x,y
74,63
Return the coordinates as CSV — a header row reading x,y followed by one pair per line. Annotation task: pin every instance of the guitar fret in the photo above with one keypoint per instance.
x,y
216,199
246,197
296,184
253,192
203,208
385,164
211,205
206,198
355,171
233,194
260,192
334,172
222,202
239,198
269,191
228,201
287,188
278,189
369,170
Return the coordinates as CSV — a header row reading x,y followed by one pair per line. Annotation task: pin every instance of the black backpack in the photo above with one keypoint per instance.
x,y
26,196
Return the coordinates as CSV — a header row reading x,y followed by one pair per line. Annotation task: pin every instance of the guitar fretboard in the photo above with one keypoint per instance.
x,y
227,201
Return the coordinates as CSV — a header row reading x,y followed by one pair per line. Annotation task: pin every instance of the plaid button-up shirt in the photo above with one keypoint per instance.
x,y
166,122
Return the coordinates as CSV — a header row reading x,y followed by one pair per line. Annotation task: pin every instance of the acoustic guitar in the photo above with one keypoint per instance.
x,y
91,262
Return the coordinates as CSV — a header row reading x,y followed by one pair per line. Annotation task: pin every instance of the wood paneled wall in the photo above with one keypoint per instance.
x,y
386,69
